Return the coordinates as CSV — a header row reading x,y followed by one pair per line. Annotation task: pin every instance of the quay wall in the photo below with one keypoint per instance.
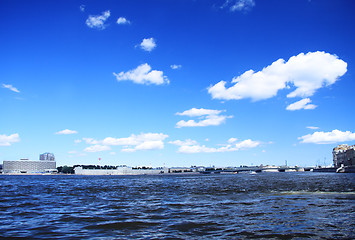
x,y
118,171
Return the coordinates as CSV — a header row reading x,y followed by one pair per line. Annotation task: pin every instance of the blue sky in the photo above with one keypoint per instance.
x,y
177,83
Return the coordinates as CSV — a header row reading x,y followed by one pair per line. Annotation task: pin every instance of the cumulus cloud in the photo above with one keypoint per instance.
x,y
98,21
239,5
97,148
148,44
302,104
122,21
66,132
82,8
143,74
8,140
174,66
191,146
334,136
143,141
207,117
305,73
10,87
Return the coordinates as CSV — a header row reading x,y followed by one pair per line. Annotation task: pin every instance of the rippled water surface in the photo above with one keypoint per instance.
x,y
241,206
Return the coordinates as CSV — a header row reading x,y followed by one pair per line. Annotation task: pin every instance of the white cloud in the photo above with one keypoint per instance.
x,y
135,139
148,44
97,148
148,145
143,74
212,120
8,140
98,21
305,72
198,149
242,5
239,5
232,140
328,137
174,66
12,88
77,141
246,144
302,104
313,128
191,146
187,142
122,20
75,153
90,141
197,112
82,8
208,117
143,141
66,132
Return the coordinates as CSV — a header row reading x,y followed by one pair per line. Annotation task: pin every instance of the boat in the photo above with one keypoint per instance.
x,y
346,169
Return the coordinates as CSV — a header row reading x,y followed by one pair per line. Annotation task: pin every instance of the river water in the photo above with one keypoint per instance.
x,y
241,206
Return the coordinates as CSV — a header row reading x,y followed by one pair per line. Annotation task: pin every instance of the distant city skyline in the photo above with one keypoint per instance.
x,y
177,83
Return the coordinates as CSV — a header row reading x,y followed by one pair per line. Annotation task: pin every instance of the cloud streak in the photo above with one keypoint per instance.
x,y
302,104
312,127
66,132
10,87
239,5
208,117
175,66
97,148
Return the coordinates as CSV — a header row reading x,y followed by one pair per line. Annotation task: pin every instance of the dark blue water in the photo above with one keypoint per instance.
x,y
241,206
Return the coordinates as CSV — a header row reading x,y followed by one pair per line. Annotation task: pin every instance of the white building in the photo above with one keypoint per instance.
x,y
30,166
344,155
47,156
